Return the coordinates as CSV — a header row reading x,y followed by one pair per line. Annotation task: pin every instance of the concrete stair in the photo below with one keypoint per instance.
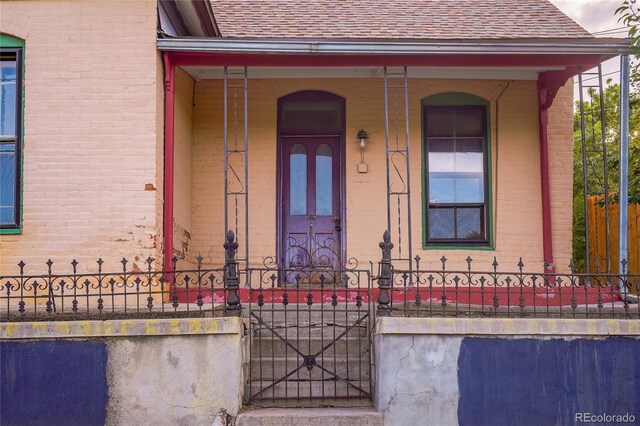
x,y
302,393
273,368
303,329
310,416
269,345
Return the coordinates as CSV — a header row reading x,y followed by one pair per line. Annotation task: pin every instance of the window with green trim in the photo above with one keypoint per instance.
x,y
456,175
10,135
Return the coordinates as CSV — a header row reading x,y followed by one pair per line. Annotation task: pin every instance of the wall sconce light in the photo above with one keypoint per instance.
x,y
362,138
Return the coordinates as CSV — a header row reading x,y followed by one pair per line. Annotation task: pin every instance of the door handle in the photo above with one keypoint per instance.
x,y
338,224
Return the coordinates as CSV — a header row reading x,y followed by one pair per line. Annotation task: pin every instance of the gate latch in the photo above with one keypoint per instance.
x,y
338,224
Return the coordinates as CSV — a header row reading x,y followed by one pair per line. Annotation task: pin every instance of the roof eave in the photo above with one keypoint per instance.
x,y
590,46
192,18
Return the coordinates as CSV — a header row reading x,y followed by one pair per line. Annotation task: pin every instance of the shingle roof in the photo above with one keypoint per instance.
x,y
394,19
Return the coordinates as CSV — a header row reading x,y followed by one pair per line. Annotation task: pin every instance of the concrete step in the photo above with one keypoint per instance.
x,y
310,416
277,315
315,389
351,368
305,330
267,346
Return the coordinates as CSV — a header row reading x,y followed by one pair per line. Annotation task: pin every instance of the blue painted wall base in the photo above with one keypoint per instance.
x,y
546,382
61,382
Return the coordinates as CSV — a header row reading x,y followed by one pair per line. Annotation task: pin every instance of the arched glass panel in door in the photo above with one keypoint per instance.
x,y
324,180
298,180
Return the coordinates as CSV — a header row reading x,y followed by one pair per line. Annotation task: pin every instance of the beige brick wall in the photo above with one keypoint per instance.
x,y
561,174
91,132
515,168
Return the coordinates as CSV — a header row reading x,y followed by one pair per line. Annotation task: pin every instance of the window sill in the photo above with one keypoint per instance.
x,y
10,231
457,247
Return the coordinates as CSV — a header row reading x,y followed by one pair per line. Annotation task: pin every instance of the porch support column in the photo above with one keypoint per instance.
x,y
169,98
548,85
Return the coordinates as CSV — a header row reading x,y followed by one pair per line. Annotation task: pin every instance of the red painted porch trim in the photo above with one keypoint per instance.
x,y
547,234
182,58
548,85
169,98
462,296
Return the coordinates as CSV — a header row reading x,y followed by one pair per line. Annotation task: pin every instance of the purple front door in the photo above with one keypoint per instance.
x,y
311,208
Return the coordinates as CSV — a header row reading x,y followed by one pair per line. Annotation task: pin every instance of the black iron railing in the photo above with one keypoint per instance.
x,y
410,291
474,292
130,292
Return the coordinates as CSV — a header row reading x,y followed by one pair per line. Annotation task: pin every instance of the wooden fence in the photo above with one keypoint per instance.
x,y
598,236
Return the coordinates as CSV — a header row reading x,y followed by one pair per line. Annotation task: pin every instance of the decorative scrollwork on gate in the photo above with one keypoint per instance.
x,y
309,258
311,251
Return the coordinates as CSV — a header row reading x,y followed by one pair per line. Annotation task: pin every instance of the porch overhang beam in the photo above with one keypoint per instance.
x,y
469,61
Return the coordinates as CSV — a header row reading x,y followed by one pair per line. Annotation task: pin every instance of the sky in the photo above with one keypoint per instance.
x,y
598,17
593,15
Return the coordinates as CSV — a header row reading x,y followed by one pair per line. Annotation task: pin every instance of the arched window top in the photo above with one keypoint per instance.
x,y
311,95
7,40
453,99
311,110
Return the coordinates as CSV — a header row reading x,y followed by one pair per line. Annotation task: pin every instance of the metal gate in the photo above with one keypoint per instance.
x,y
310,336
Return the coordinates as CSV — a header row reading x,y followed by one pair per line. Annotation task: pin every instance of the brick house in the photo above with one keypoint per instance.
x,y
312,130
90,172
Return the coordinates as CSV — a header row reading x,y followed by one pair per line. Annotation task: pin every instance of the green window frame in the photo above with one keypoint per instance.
x,y
11,133
456,172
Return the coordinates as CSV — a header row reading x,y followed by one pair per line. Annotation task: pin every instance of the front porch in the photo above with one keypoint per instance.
x,y
233,166
242,130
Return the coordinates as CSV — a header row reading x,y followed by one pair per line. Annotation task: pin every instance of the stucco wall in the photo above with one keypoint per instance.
x,y
162,372
515,168
523,371
91,132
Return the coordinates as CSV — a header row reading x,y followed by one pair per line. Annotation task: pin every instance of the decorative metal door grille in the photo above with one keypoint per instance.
x,y
310,339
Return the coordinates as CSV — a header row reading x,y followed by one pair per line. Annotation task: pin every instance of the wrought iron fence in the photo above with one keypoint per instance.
x,y
496,293
130,292
414,291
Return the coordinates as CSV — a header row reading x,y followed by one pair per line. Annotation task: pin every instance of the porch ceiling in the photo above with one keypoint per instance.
x,y
203,72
